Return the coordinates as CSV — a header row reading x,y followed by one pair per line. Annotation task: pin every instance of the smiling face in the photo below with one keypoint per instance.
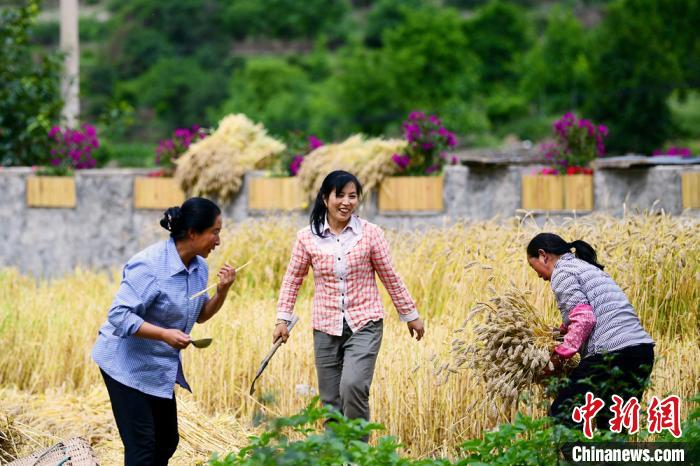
x,y
342,205
543,264
203,243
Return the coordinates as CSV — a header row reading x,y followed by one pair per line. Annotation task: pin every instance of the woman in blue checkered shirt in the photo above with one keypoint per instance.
x,y
149,322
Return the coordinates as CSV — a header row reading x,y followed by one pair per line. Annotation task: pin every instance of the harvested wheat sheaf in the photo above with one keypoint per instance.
x,y
368,159
215,165
511,345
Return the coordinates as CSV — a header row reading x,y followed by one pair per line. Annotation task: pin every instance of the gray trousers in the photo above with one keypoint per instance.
x,y
345,367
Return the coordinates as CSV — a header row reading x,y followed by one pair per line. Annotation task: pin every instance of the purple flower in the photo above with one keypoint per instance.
x,y
416,115
454,160
401,160
411,131
55,162
54,130
432,169
295,165
314,143
434,120
427,145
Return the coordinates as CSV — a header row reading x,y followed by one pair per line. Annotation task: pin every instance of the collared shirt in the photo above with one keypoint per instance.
x,y
155,288
575,282
344,268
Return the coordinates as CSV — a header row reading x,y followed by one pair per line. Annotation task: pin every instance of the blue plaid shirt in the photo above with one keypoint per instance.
x,y
155,288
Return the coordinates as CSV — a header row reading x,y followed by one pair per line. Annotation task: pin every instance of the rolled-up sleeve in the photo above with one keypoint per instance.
x,y
381,262
139,288
297,270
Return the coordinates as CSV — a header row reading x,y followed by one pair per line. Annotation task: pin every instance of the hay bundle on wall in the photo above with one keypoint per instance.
x,y
215,165
368,159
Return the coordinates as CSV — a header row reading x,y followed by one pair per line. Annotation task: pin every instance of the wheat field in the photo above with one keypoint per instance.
x,y
50,388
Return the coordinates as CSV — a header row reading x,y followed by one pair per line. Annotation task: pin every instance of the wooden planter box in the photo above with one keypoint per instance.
x,y
157,193
690,188
411,193
51,191
276,194
557,192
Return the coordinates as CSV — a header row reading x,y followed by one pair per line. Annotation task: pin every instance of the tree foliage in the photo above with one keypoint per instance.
x,y
30,98
633,74
556,72
286,19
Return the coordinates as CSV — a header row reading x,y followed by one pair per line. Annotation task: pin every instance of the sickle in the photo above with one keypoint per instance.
x,y
267,358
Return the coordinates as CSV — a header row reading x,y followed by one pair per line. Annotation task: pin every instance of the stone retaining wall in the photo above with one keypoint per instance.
x,y
104,229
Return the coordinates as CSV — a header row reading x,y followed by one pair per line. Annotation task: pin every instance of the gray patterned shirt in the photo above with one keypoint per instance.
x,y
575,281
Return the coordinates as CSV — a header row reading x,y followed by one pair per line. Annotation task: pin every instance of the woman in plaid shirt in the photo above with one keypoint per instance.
x,y
345,252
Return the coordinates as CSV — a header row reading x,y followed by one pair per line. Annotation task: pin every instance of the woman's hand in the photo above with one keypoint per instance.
x,y
175,338
226,276
281,331
417,327
555,364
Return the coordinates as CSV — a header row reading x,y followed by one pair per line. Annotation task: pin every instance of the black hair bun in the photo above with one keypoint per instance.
x,y
171,219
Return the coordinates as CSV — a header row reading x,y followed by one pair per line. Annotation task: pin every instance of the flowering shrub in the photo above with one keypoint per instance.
x,y
169,150
298,147
427,141
576,143
678,151
71,149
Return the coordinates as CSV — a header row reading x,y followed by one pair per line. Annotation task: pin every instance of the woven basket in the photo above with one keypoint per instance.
x,y
72,452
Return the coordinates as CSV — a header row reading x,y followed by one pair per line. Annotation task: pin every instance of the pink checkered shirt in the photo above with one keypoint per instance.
x,y
350,291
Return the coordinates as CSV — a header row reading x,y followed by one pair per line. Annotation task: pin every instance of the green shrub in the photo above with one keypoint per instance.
x,y
30,100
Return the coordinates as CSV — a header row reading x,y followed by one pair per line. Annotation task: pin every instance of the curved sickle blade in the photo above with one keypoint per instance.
x,y
271,353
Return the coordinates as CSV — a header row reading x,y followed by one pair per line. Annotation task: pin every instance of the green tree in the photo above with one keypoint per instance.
x,y
500,35
366,90
680,21
173,92
425,64
556,73
187,25
633,75
286,19
30,100
388,14
272,91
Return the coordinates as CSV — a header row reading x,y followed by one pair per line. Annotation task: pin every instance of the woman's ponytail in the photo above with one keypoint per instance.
x,y
555,244
585,252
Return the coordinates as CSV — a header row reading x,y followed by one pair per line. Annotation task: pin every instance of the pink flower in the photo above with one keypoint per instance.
x,y
401,160
314,143
296,164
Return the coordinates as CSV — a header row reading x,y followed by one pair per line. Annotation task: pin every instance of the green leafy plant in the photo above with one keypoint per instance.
x,y
30,100
295,440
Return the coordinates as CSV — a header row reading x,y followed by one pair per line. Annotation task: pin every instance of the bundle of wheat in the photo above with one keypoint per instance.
x,y
511,344
215,165
368,159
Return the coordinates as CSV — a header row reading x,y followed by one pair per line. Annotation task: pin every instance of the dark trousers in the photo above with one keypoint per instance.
x,y
345,367
623,373
147,424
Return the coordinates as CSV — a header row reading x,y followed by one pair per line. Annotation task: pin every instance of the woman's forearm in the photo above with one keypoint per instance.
x,y
150,331
212,306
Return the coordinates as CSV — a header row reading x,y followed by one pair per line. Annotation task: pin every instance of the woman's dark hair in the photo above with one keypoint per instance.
x,y
196,213
335,180
555,244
